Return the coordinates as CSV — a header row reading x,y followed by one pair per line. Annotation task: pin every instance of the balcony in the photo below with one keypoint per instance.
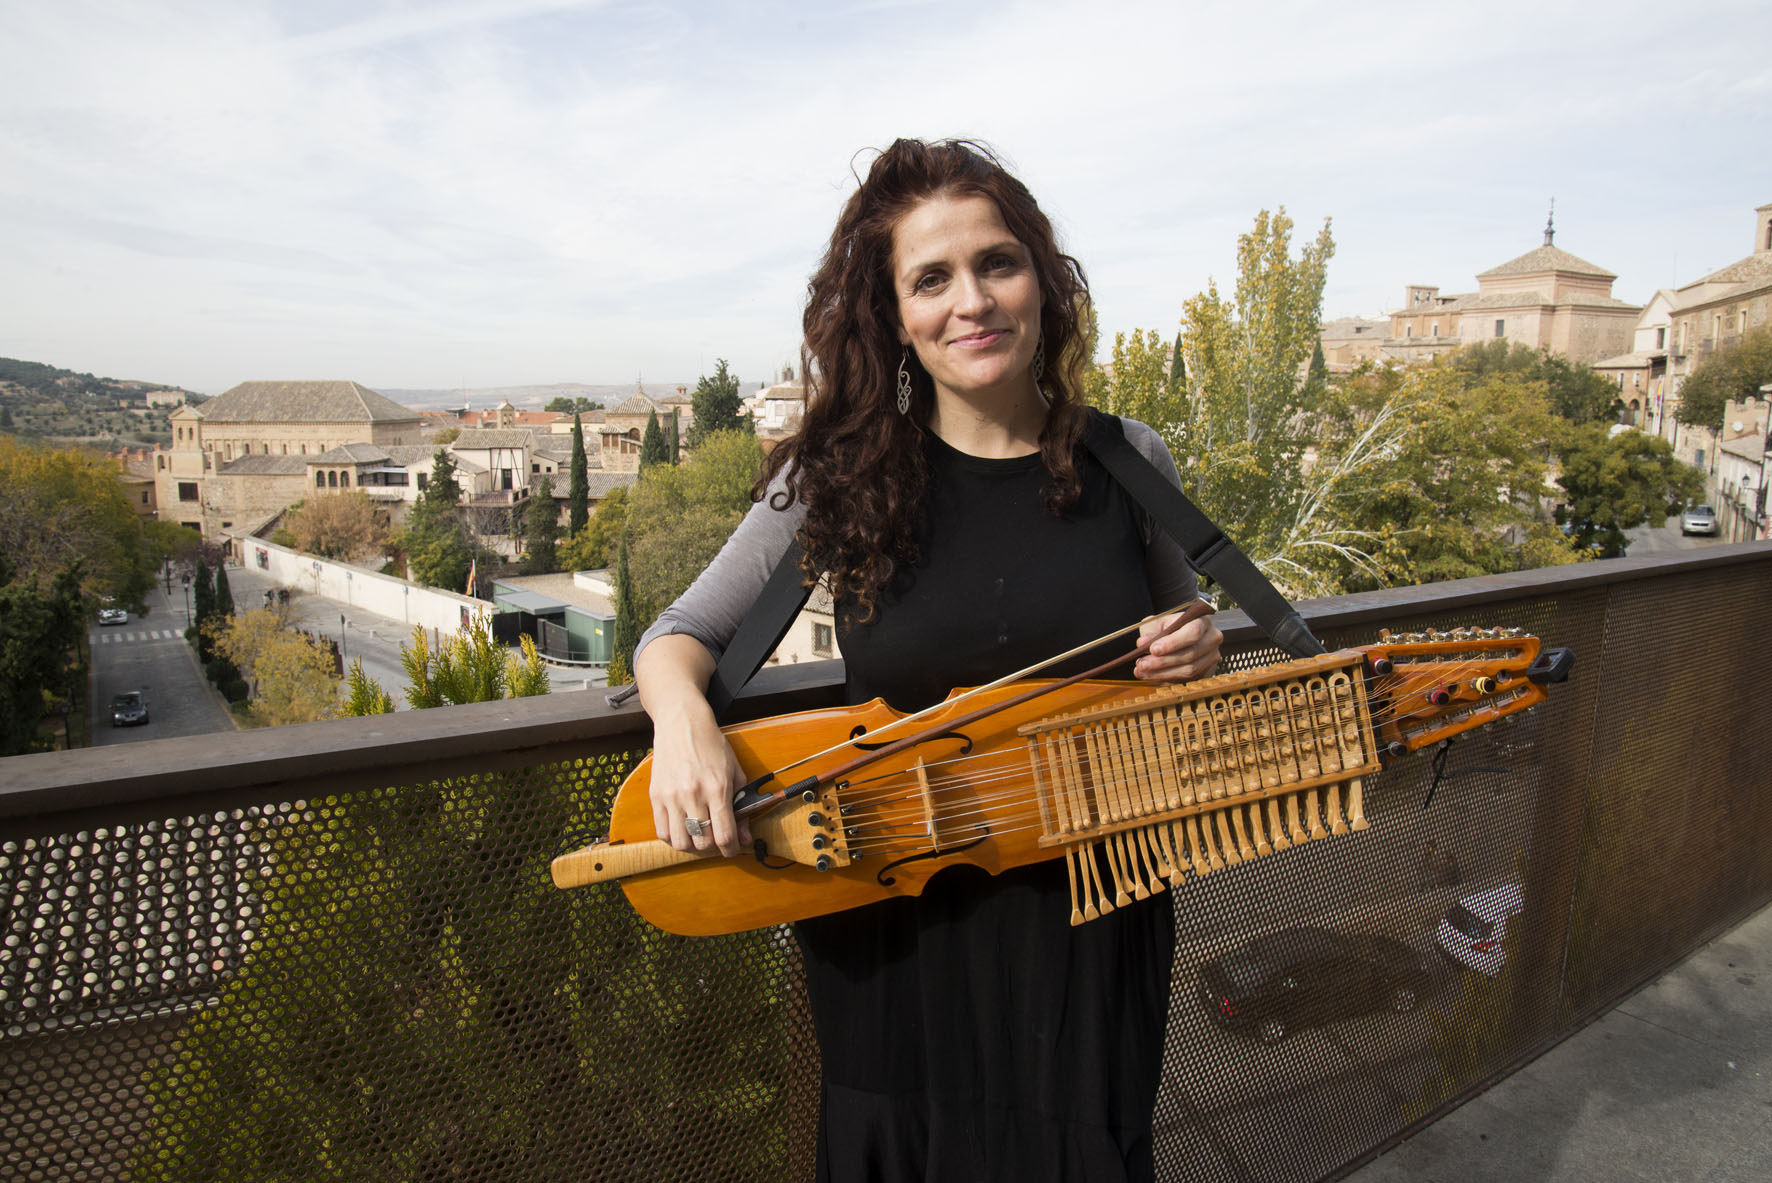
x,y
333,951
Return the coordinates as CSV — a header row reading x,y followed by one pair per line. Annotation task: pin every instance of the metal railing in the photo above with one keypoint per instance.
x,y
332,950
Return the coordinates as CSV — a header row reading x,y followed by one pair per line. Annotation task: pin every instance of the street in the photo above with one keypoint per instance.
x,y
149,654
1649,540
376,639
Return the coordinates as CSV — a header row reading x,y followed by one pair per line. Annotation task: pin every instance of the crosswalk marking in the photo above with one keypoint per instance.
x,y
160,634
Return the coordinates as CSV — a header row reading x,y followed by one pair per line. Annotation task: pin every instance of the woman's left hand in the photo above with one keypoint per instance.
x,y
1178,649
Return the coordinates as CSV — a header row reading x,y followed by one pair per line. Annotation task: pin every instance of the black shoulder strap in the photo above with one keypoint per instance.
x,y
761,630
1205,544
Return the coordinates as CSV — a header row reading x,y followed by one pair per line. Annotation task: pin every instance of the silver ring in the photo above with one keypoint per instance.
x,y
698,827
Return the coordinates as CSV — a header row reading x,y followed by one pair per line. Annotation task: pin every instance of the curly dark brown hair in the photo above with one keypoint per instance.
x,y
856,463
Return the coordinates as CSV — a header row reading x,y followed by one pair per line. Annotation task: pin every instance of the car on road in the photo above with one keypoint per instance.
x,y
1698,519
1474,928
112,616
129,709
1305,977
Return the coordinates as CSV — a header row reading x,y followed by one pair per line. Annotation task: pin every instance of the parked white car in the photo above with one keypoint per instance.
x,y
1474,928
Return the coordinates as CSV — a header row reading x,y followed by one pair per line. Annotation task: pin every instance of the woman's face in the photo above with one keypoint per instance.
x,y
968,297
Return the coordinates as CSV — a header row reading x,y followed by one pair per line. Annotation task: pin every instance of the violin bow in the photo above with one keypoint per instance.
x,y
751,800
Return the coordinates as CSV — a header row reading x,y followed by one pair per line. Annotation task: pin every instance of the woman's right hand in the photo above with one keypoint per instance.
x,y
694,773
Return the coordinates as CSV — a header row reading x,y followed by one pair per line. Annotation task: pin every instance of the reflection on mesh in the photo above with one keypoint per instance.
x,y
384,984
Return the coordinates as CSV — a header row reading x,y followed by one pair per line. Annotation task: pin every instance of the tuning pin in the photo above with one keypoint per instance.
x,y
1483,684
1441,695
1384,636
815,819
1382,666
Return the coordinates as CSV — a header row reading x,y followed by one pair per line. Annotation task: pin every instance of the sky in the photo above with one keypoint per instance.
x,y
474,193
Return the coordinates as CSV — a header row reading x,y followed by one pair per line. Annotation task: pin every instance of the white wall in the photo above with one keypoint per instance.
x,y
385,595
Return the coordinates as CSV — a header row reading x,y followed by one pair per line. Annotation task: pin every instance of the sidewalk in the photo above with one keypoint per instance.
x,y
1673,1084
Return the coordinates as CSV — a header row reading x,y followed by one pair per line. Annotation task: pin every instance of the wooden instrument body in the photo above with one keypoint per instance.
x,y
1134,784
705,896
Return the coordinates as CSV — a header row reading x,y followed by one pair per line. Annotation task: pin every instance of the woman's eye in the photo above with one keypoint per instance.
x,y
928,283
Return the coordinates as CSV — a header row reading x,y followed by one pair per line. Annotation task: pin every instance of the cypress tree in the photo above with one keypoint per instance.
x,y
578,493
541,528
203,606
224,598
627,623
653,447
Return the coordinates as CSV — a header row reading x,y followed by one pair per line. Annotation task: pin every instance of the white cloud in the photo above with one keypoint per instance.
x,y
421,194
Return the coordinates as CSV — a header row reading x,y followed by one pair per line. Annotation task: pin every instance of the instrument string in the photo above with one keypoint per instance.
x,y
1225,755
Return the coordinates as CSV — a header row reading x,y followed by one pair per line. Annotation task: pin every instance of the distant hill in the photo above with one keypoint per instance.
x,y
56,407
28,382
528,397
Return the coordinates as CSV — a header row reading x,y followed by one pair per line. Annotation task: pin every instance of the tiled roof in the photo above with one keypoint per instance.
x,y
304,402
259,464
492,437
350,454
1347,328
1546,258
635,404
1755,270
407,455
1626,361
602,482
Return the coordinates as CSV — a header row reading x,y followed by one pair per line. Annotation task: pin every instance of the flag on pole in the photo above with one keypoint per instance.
x,y
473,571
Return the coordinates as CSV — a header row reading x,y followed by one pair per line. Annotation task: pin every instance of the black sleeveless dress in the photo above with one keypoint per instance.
x,y
970,1033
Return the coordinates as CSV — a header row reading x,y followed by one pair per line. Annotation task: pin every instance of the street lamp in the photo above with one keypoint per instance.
x,y
341,636
187,601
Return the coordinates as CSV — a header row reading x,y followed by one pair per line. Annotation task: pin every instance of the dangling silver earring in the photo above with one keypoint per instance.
x,y
904,383
1039,366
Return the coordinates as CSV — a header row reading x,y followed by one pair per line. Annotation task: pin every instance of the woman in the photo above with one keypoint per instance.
x,y
968,1033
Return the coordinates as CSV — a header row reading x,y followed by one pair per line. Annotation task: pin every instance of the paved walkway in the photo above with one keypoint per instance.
x,y
1674,1084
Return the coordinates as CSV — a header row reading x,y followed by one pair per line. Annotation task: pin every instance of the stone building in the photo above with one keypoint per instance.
x,y
1641,374
1546,298
1712,313
242,456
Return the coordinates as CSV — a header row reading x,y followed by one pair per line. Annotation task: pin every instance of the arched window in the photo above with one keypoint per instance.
x,y
344,480
332,480
319,480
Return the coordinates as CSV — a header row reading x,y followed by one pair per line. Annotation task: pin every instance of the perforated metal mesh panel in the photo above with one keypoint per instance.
x,y
382,984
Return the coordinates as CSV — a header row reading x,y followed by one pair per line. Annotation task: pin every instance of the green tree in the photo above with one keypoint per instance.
x,y
593,547
1239,419
578,491
363,694
292,677
40,630
203,608
541,529
468,666
438,550
1572,390
1614,482
1458,487
678,517
443,490
435,539
629,620
565,405
653,448
223,605
717,406
1735,373
59,509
